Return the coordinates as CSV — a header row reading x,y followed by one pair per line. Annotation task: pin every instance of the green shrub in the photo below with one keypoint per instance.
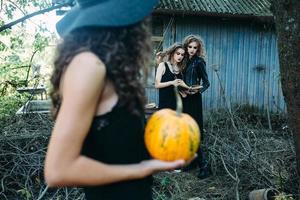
x,y
10,104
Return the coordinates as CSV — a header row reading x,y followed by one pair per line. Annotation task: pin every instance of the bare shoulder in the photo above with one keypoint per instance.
x,y
161,67
85,72
87,61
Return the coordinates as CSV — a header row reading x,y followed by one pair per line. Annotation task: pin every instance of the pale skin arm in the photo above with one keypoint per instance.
x,y
159,73
184,85
84,80
184,93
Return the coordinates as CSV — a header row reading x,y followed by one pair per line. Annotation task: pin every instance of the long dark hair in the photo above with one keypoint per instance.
x,y
124,51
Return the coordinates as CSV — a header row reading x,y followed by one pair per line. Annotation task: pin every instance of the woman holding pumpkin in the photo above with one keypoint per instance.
x,y
96,93
169,75
194,74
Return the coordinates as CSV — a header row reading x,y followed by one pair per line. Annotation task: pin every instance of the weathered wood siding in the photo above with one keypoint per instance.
x,y
242,53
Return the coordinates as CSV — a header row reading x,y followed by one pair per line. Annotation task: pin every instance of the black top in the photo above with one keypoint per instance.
x,y
117,137
195,72
167,98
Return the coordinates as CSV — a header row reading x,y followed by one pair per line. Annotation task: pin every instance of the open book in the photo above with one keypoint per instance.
x,y
192,89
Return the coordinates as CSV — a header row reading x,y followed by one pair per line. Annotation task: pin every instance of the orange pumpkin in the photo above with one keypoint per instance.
x,y
171,135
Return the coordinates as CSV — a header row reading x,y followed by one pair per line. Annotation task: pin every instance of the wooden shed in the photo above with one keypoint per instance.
x,y
241,47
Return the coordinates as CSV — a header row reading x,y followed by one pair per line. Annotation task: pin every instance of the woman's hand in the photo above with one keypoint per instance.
x,y
194,90
183,84
149,167
176,82
183,94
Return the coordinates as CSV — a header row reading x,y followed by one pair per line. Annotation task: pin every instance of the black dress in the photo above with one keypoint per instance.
x,y
117,137
195,74
167,98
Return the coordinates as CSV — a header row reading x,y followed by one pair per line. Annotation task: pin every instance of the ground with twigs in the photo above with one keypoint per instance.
x,y
246,151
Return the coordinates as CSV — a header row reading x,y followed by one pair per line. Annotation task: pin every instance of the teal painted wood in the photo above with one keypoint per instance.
x,y
244,56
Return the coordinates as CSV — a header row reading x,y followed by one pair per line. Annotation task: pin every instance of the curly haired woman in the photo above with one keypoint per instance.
x,y
194,74
98,100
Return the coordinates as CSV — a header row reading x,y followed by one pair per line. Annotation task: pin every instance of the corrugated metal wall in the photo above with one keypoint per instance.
x,y
241,58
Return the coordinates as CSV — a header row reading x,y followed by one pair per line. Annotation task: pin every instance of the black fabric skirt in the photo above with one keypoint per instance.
x,y
192,105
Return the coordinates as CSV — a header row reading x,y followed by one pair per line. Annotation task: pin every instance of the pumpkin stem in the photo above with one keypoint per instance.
x,y
178,102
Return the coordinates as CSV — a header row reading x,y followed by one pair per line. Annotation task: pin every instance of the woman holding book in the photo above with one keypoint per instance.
x,y
194,74
169,75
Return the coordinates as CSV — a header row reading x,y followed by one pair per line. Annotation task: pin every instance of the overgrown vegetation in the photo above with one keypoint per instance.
x,y
243,159
25,53
9,106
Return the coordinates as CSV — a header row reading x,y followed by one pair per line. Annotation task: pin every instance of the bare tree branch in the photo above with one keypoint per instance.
x,y
9,25
1,5
29,66
16,6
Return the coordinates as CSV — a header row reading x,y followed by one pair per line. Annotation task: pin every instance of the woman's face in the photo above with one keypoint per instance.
x,y
192,48
178,55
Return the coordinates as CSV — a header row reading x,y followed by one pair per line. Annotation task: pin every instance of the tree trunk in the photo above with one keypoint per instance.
x,y
287,22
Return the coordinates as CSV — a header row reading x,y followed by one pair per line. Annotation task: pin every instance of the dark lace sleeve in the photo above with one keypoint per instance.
x,y
201,71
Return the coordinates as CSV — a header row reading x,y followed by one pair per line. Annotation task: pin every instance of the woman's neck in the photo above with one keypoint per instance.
x,y
174,64
174,67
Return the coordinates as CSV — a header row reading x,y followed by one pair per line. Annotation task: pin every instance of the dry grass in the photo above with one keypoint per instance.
x,y
244,156
248,157
23,144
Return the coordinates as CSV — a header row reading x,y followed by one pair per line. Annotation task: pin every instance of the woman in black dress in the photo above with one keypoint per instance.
x,y
168,75
98,138
194,74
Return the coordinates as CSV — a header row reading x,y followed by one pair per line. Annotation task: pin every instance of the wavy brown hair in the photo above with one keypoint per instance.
x,y
169,53
123,50
193,38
